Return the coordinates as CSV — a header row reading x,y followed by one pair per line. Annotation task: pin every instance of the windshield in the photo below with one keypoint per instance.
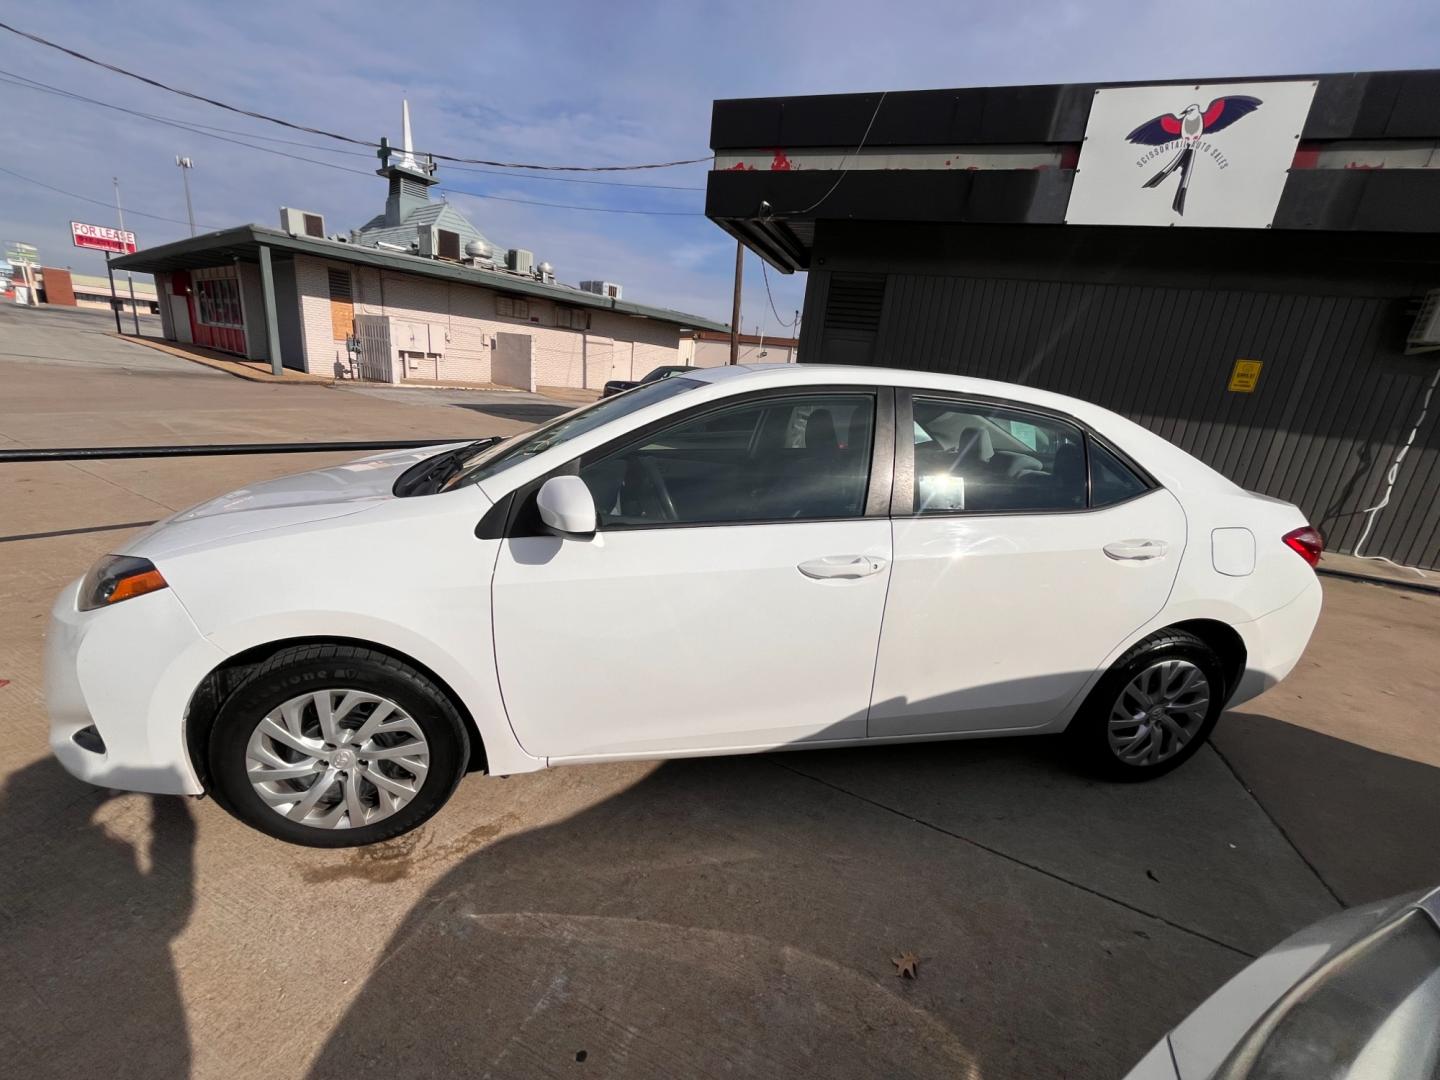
x,y
562,429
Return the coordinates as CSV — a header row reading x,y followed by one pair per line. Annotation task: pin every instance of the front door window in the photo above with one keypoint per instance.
x,y
794,458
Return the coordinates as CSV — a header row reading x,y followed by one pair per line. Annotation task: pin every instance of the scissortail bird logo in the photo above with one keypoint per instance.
x,y
1189,127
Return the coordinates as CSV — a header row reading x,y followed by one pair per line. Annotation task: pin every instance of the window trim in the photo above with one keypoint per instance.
x,y
522,517
902,497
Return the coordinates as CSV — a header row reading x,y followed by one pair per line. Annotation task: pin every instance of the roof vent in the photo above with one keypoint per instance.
x,y
302,223
1424,334
602,288
855,301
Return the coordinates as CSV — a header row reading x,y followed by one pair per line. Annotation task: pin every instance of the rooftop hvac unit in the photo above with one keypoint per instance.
x,y
1424,335
520,260
602,288
302,223
429,242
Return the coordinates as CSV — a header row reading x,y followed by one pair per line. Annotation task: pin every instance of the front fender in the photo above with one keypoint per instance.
x,y
473,678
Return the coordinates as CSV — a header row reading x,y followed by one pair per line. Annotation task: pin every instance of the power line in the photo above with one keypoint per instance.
x,y
85,198
578,180
456,191
180,125
28,83
322,132
366,173
765,273
25,82
569,206
846,159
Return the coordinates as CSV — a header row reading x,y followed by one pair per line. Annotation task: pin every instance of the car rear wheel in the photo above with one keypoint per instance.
x,y
336,746
1153,709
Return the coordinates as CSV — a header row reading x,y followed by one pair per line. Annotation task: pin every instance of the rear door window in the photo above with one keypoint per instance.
x,y
1111,480
983,459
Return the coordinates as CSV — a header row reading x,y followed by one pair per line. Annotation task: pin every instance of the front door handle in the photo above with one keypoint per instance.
x,y
843,567
1136,550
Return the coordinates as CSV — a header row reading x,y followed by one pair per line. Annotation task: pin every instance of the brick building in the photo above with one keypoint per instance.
x,y
416,294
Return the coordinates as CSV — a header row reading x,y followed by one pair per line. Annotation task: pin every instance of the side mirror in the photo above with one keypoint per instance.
x,y
566,507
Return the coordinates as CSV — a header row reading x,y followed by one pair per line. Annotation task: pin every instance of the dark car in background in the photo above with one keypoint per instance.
x,y
616,386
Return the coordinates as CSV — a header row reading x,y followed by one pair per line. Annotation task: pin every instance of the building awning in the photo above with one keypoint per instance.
x,y
243,243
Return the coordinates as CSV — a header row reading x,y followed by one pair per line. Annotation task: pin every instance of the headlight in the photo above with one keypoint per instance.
x,y
118,577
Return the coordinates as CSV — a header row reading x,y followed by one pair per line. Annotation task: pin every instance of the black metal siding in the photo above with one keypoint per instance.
x,y
1335,400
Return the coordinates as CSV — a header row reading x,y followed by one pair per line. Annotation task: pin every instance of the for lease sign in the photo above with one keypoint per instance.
x,y
102,238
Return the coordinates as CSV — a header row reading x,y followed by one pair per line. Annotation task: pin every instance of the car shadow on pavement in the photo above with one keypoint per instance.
x,y
86,922
737,916
1367,821
528,412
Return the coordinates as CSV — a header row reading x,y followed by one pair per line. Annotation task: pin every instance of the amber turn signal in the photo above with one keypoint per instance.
x,y
118,577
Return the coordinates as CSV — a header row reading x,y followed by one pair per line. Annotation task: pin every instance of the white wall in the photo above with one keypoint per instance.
x,y
717,354
513,361
462,322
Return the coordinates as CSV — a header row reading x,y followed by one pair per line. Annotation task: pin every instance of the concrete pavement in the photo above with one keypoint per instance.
x,y
710,917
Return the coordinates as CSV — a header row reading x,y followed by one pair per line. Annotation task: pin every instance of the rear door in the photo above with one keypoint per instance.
x,y
1025,552
731,597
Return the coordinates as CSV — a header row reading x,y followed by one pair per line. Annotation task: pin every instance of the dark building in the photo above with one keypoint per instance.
x,y
1142,246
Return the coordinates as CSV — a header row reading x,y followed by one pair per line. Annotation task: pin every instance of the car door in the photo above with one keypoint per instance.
x,y
731,596
1025,551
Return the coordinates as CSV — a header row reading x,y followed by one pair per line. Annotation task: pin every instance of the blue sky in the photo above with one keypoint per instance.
x,y
567,83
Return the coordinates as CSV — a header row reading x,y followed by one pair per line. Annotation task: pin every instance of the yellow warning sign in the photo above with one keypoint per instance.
x,y
1244,375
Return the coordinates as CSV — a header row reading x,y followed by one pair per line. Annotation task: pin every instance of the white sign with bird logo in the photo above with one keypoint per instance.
x,y
1208,154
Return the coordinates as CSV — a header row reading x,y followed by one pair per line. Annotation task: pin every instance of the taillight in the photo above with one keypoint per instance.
x,y
1308,543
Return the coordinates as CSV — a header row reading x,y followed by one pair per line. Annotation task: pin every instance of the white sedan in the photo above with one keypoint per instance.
x,y
736,560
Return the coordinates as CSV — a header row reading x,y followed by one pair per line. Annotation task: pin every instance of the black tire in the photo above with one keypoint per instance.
x,y
311,668
1088,732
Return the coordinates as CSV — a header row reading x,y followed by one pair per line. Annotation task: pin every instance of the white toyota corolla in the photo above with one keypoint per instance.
x,y
736,560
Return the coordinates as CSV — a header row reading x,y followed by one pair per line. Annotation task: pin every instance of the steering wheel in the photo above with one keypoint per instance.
x,y
657,484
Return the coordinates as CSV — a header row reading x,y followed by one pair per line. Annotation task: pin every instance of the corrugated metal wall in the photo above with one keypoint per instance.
x,y
1334,403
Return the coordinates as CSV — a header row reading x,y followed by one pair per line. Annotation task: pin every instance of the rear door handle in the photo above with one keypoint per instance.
x,y
844,567
1136,550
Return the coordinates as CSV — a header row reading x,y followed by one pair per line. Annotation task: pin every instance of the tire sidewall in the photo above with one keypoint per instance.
x,y
445,734
1091,728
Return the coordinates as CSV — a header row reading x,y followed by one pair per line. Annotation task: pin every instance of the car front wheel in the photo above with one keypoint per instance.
x,y
1153,709
336,746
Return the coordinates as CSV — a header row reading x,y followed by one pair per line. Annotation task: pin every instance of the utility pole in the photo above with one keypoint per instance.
x,y
735,309
120,214
185,166
114,300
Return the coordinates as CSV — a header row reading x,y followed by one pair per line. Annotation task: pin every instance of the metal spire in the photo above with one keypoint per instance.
x,y
407,157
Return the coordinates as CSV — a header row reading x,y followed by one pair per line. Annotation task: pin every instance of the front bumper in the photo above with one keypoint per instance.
x,y
128,671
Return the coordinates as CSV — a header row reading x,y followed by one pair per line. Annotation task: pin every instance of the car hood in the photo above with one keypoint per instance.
x,y
317,495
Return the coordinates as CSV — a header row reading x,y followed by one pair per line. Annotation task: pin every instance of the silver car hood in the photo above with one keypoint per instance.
x,y
1199,1045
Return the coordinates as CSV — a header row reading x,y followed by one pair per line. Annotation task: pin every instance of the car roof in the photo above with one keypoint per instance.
x,y
808,374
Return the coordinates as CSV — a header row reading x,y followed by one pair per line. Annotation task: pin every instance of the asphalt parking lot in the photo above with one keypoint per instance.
x,y
717,917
